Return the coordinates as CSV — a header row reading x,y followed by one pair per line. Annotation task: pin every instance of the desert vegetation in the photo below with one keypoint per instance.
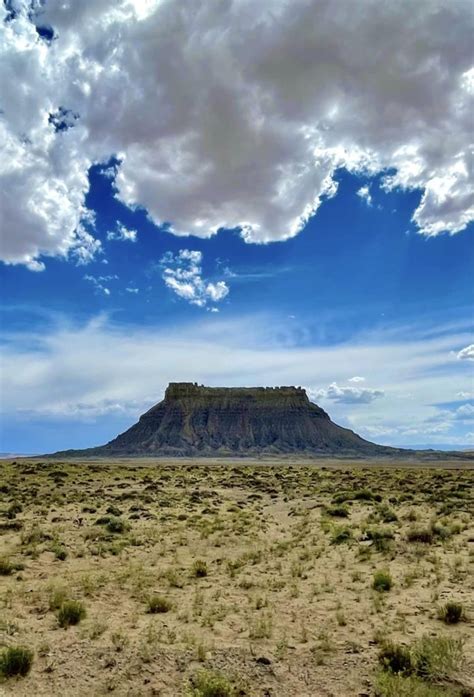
x,y
218,579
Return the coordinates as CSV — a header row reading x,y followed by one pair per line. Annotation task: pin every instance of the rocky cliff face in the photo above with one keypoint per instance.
x,y
211,421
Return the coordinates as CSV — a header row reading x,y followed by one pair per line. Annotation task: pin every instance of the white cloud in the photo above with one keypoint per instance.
x,y
348,394
229,114
365,195
132,289
99,282
466,354
122,234
356,378
182,272
465,412
35,265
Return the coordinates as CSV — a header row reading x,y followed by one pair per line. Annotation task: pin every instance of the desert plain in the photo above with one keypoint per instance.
x,y
218,578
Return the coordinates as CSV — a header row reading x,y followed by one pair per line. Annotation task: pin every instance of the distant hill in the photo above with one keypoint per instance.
x,y
194,420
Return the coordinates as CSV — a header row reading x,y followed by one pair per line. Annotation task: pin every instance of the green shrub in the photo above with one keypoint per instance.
x,y
396,658
441,531
381,537
71,612
358,495
116,525
57,595
199,569
339,511
340,535
424,535
158,603
437,658
13,509
103,520
113,524
430,658
366,495
397,685
451,612
6,567
382,580
386,514
208,683
59,551
15,660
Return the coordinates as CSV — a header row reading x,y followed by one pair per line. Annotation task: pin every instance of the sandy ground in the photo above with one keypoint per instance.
x,y
282,602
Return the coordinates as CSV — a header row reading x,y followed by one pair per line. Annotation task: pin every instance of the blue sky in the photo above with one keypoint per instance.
x,y
134,256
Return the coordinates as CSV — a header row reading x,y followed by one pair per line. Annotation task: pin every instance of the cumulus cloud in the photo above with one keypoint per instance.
x,y
122,234
365,195
182,272
467,353
348,394
229,114
356,378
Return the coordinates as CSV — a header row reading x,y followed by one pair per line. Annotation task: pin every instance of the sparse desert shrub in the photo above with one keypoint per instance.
x,y
424,535
114,511
366,495
173,578
357,495
116,525
6,567
199,569
396,658
430,658
158,603
382,580
341,498
437,658
381,537
34,536
396,685
103,520
209,683
96,629
113,523
71,612
451,612
57,596
13,509
386,514
338,511
412,516
441,531
340,535
119,641
262,628
59,551
15,661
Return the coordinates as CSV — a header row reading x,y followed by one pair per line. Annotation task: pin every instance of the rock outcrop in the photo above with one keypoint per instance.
x,y
193,420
